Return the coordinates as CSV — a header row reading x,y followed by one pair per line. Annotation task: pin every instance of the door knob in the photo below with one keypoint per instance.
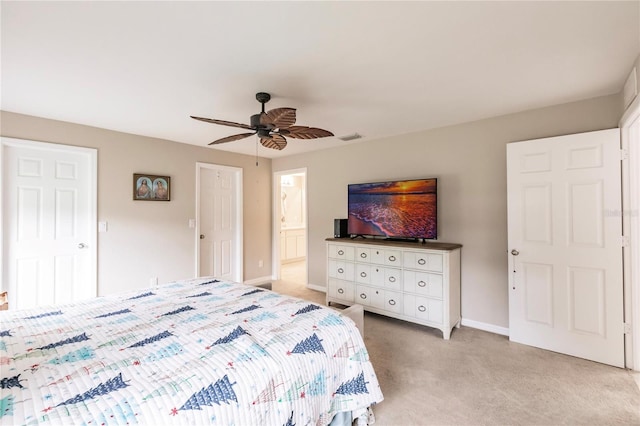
x,y
202,236
515,252
82,245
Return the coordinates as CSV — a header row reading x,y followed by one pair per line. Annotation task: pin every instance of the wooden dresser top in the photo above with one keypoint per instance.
x,y
390,243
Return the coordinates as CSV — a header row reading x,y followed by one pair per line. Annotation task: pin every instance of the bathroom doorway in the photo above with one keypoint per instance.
x,y
290,227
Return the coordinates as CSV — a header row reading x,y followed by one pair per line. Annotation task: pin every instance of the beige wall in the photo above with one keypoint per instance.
x,y
152,239
469,161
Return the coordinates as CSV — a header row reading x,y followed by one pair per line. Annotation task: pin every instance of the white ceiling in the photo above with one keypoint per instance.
x,y
375,68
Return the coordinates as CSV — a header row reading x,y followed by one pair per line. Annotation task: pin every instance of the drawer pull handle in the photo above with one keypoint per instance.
x,y
392,279
363,255
422,262
340,270
392,258
340,252
421,308
341,291
363,296
421,284
363,274
392,302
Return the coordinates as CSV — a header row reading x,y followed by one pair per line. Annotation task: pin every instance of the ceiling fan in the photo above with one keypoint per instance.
x,y
270,126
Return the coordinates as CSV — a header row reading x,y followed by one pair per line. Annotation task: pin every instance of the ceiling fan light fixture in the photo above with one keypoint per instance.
x,y
263,133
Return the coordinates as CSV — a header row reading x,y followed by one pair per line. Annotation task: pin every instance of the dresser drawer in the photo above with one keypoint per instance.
x,y
370,255
393,258
369,274
341,270
363,273
423,308
423,283
343,290
378,276
423,261
393,301
370,296
342,252
393,278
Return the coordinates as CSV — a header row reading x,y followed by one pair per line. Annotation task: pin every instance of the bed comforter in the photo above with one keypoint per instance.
x,y
192,352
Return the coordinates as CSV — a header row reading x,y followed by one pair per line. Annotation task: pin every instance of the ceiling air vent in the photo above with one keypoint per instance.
x,y
350,137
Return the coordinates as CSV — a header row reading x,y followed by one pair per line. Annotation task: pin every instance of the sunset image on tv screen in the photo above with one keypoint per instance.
x,y
404,209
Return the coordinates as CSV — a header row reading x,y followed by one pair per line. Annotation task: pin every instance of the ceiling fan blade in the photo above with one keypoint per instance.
x,y
304,132
281,118
223,122
274,141
232,138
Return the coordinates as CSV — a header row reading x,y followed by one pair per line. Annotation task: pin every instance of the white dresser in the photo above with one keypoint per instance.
x,y
411,281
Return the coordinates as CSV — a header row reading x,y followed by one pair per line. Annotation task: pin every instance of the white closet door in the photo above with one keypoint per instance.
x,y
220,245
565,252
49,223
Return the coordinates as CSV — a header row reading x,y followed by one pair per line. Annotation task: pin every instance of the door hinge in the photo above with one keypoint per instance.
x,y
624,154
624,241
627,328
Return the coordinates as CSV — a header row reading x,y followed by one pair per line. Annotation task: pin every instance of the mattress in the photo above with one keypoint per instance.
x,y
200,351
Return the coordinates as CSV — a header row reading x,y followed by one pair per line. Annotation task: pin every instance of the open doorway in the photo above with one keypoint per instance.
x,y
290,226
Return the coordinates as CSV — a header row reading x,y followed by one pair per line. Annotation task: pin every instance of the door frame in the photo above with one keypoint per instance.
x,y
92,239
238,268
277,211
630,141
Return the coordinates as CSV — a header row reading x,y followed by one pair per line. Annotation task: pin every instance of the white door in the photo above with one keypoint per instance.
x,y
565,251
220,223
49,223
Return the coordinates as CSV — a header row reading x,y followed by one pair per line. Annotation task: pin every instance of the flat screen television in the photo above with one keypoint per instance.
x,y
404,209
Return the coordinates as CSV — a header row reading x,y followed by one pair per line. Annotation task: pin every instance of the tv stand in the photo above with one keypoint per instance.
x,y
353,237
419,283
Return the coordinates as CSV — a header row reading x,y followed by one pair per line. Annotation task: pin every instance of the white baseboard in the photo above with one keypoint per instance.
x,y
317,287
485,327
258,281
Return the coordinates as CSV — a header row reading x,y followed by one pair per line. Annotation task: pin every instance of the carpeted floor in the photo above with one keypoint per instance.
x,y
480,378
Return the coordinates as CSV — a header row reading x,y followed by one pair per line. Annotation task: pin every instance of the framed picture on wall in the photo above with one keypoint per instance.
x,y
151,187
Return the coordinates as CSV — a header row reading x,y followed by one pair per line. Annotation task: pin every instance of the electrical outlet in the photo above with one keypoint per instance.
x,y
153,282
260,263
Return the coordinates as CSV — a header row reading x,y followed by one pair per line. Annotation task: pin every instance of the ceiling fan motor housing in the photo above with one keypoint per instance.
x,y
256,124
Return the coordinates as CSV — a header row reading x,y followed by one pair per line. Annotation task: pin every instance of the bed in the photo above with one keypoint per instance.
x,y
200,351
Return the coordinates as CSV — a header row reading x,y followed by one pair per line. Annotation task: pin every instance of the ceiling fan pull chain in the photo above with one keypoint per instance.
x,y
256,150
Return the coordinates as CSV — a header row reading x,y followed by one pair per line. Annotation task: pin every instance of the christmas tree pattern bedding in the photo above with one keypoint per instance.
x,y
191,352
